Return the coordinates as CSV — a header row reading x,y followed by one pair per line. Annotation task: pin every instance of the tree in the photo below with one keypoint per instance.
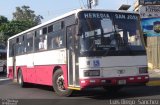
x,y
3,20
24,13
23,19
2,38
14,27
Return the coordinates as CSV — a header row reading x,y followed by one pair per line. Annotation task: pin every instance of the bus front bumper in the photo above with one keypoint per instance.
x,y
98,82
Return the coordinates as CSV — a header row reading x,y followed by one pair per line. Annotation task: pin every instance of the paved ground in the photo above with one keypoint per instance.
x,y
12,94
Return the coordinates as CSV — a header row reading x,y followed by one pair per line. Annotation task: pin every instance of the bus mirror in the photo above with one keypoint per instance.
x,y
79,32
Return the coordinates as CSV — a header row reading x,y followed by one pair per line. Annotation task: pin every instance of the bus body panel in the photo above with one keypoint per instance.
x,y
10,72
113,61
112,69
114,81
39,74
38,68
40,58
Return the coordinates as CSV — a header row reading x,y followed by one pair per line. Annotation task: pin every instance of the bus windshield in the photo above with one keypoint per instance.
x,y
106,33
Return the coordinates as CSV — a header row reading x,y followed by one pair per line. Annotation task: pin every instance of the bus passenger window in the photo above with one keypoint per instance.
x,y
56,42
43,43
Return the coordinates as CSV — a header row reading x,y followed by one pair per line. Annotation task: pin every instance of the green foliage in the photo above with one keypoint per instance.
x,y
3,20
23,19
24,13
3,38
14,27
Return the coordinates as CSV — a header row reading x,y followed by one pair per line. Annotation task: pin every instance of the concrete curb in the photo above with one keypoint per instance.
x,y
153,83
4,79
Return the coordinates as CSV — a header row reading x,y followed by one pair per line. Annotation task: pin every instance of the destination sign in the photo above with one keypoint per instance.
x,y
108,15
149,2
126,16
96,15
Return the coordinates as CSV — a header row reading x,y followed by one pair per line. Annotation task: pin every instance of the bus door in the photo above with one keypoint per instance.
x,y
14,61
72,49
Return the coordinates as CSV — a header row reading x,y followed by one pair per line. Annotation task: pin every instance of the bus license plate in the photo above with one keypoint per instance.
x,y
121,82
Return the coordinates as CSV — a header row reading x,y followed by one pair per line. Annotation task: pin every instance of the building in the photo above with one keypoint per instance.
x,y
149,11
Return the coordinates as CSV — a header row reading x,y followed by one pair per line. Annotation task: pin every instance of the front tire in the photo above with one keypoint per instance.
x,y
59,85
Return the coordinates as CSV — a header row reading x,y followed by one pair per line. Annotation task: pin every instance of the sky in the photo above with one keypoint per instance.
x,y
52,8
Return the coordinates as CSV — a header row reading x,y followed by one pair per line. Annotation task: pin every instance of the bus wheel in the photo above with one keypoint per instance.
x,y
20,79
112,89
58,84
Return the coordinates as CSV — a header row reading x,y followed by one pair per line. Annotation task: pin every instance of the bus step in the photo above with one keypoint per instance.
x,y
74,88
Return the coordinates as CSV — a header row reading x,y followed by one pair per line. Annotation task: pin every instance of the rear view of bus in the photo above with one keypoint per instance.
x,y
111,50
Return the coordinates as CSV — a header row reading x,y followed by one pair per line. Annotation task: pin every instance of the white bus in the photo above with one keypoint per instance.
x,y
3,57
81,49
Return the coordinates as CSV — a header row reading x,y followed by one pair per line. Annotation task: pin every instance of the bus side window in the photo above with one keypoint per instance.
x,y
56,42
41,39
56,35
29,42
11,48
43,43
20,46
29,45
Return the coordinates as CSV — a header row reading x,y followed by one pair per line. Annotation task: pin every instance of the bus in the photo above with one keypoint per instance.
x,y
85,48
156,26
3,57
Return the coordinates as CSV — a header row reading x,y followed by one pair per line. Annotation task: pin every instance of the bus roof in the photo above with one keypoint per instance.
x,y
68,14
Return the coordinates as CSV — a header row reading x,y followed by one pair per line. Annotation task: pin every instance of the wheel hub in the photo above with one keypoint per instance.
x,y
60,83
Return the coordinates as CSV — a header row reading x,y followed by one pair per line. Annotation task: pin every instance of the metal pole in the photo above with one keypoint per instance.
x,y
90,4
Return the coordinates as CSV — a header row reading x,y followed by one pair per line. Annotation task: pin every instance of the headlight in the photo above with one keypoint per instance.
x,y
91,73
143,70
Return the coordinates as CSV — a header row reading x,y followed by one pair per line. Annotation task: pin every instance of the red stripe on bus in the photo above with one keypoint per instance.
x,y
39,74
